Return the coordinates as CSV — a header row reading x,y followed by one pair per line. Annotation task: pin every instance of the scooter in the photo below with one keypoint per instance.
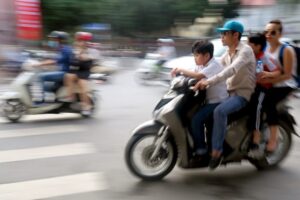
x,y
157,145
152,70
26,96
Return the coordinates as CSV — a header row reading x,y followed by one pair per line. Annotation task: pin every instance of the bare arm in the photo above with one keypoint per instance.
x,y
288,60
47,62
189,73
243,59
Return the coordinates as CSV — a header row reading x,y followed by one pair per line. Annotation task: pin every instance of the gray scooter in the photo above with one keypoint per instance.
x,y
157,145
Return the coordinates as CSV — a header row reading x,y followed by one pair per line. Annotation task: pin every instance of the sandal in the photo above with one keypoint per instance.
x,y
271,149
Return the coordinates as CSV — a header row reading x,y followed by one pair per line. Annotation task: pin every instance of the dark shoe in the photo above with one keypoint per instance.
x,y
215,162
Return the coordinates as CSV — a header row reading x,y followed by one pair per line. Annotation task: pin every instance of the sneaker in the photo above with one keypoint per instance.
x,y
215,162
86,112
255,152
66,99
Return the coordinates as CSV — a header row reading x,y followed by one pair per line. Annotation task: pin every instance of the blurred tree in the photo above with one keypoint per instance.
x,y
67,14
288,1
127,17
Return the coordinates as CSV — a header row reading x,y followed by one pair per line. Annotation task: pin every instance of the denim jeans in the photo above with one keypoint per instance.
x,y
230,105
57,76
198,125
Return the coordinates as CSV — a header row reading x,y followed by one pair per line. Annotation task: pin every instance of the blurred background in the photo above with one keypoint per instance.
x,y
130,28
68,157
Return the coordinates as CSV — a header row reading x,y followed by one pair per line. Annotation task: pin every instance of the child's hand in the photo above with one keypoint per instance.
x,y
175,71
263,75
201,85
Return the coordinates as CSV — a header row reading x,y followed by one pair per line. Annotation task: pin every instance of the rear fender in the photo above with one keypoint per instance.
x,y
289,120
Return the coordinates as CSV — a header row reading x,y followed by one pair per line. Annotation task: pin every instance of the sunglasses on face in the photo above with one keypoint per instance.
x,y
272,33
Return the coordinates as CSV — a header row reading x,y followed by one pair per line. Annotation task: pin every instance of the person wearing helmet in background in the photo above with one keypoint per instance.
x,y
58,40
80,69
166,50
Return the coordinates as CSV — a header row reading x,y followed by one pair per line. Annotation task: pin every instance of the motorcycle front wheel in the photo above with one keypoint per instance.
x,y
138,157
14,109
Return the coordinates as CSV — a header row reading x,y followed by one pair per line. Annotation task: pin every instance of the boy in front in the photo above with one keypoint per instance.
x,y
207,67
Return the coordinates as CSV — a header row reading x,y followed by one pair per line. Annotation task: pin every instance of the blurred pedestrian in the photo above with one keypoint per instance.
x,y
166,50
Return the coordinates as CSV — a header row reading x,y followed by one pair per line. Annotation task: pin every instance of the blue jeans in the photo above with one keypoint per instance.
x,y
198,125
230,105
57,76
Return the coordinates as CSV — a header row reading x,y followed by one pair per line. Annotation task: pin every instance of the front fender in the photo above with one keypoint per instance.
x,y
148,127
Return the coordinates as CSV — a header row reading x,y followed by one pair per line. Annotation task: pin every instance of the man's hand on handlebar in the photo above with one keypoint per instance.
x,y
201,85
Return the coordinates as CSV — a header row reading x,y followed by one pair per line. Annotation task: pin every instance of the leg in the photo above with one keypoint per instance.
x,y
51,77
55,77
257,119
69,81
85,101
254,122
198,127
274,96
230,105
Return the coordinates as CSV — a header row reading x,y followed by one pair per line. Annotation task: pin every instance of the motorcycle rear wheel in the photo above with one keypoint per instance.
x,y
283,147
138,152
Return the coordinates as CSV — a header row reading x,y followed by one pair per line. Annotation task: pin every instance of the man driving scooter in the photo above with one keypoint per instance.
x,y
57,40
239,71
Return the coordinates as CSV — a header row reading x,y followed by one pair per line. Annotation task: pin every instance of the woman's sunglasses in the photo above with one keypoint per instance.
x,y
272,33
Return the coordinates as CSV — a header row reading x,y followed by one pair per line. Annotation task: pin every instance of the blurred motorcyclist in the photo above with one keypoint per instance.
x,y
84,56
166,50
58,40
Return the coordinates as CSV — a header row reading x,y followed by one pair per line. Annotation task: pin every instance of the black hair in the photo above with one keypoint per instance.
x,y
240,34
258,39
203,47
278,22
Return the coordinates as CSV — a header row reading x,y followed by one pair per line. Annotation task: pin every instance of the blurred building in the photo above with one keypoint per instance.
x,y
255,14
7,22
20,20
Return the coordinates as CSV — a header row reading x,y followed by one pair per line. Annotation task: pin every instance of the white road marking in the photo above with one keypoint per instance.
x,y
53,187
46,152
44,117
40,131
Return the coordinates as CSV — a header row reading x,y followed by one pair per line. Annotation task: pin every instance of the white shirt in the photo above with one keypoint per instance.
x,y
286,83
218,92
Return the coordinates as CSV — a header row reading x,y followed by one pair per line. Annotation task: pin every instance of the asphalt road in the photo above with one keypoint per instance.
x,y
65,157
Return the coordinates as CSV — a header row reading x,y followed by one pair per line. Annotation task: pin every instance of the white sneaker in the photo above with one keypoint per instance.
x,y
256,153
86,112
